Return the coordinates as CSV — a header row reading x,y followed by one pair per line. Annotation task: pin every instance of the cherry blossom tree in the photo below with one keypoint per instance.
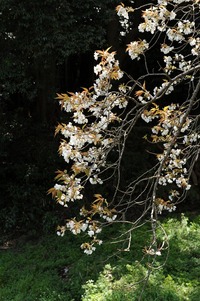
x,y
103,116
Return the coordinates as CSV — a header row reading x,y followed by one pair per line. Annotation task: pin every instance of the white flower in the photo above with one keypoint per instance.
x,y
90,233
80,118
122,33
185,27
146,118
136,48
174,35
114,217
158,253
162,181
70,224
188,187
60,187
96,56
172,15
165,132
84,227
195,51
95,180
122,12
89,251
98,230
166,49
147,26
97,69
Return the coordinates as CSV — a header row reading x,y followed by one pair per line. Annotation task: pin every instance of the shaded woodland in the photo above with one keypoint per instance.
x,y
47,48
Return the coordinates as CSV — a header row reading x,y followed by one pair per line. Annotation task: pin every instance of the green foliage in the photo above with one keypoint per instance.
x,y
53,268
159,287
184,256
177,281
35,272
48,269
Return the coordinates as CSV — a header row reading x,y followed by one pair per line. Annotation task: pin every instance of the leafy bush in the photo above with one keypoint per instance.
x,y
177,280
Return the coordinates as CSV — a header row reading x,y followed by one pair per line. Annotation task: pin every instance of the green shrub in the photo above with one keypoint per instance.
x,y
176,280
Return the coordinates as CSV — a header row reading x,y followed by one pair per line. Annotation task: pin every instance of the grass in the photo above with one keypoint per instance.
x,y
37,271
52,268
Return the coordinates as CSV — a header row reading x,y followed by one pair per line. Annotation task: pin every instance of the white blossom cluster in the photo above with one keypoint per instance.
x,y
123,14
167,205
84,145
165,88
88,224
86,140
179,34
156,17
173,159
174,170
169,208
70,191
76,227
136,48
191,138
176,62
107,70
170,119
89,248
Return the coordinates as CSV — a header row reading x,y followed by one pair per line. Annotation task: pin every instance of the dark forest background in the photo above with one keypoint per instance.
x,y
47,48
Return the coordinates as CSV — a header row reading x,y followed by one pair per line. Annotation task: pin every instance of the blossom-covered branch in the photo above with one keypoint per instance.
x,y
104,115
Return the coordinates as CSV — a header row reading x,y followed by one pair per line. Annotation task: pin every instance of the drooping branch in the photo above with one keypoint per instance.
x,y
104,116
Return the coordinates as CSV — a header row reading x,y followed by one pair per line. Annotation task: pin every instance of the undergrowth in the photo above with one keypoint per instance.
x,y
52,268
